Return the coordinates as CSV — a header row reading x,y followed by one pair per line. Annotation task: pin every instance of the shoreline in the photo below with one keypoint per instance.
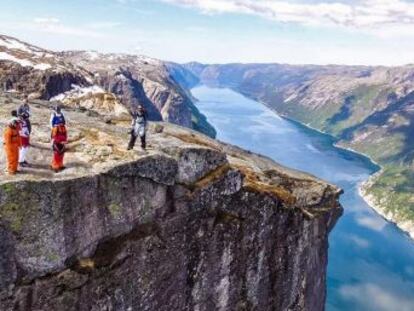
x,y
407,226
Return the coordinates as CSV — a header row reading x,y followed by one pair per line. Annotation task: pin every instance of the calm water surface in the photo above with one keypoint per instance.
x,y
371,262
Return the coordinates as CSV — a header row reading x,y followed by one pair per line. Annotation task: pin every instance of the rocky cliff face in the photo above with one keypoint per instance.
x,y
98,81
369,109
146,81
190,224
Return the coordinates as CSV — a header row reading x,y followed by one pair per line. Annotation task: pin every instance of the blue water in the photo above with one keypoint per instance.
x,y
371,262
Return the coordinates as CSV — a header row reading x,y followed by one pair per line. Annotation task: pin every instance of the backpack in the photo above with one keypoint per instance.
x,y
58,119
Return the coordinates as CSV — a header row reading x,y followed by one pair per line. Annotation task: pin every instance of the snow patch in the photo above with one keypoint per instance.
x,y
78,92
290,98
121,76
42,66
22,62
149,60
93,55
89,79
43,55
14,44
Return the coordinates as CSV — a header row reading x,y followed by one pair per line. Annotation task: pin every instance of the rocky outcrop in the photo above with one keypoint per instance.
x,y
190,224
94,99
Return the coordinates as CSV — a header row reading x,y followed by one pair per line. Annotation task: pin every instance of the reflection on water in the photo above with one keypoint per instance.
x,y
371,262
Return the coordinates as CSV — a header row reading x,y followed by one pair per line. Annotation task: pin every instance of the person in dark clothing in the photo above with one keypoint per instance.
x,y
24,112
139,127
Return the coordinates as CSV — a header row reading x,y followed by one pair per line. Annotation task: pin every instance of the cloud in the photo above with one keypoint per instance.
x,y
360,14
47,20
55,26
125,1
138,49
373,297
103,25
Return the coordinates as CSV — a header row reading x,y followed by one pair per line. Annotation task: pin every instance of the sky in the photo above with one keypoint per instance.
x,y
352,32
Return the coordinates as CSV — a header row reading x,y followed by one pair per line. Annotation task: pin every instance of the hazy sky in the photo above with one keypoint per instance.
x,y
221,31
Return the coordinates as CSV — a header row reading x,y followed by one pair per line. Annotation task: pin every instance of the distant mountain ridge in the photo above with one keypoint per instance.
x,y
369,109
101,82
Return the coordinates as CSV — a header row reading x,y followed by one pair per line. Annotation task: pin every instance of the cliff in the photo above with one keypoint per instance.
x,y
368,109
142,80
189,224
93,81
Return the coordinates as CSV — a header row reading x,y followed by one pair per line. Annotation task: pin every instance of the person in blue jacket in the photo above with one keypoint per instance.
x,y
57,117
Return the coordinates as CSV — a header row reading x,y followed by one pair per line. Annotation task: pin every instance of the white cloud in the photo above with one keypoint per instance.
x,y
125,1
372,15
103,25
47,20
55,26
138,49
373,297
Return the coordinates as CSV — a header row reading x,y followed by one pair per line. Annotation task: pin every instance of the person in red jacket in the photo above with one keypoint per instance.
x,y
59,139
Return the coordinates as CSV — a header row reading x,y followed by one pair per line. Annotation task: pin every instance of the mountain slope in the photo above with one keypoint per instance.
x,y
103,82
369,109
139,79
36,72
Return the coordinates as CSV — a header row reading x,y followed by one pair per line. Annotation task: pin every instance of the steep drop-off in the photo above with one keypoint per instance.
x,y
369,109
190,224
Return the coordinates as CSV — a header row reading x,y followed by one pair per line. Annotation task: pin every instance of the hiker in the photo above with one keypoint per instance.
x,y
24,132
139,126
57,117
59,139
12,143
24,111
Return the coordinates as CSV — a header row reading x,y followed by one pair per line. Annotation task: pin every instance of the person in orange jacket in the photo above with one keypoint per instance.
x,y
59,139
12,143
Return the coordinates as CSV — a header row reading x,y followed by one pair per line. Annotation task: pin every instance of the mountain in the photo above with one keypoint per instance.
x,y
103,82
368,109
190,224
36,72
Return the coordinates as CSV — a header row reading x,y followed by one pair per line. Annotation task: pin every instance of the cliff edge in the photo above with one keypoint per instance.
x,y
189,224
